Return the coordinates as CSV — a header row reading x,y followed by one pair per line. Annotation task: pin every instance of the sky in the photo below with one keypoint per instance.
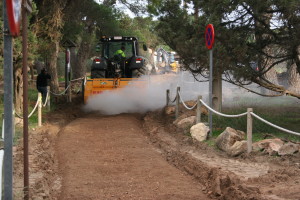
x,y
122,7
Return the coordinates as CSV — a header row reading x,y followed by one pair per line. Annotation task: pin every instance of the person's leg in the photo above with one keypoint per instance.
x,y
44,93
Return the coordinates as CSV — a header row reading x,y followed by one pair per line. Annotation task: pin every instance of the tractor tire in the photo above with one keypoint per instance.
x,y
136,73
98,74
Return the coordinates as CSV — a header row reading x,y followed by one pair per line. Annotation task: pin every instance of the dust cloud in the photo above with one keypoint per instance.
x,y
152,96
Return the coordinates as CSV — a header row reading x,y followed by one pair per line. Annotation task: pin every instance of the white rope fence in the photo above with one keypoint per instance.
x,y
249,115
183,103
33,110
39,103
222,114
62,93
273,125
77,79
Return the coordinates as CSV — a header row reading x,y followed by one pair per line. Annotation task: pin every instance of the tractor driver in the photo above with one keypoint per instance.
x,y
120,53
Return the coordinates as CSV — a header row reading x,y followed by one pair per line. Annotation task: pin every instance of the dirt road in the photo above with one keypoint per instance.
x,y
87,156
111,158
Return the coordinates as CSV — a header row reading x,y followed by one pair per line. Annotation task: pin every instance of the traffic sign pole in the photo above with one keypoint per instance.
x,y
8,108
209,42
210,89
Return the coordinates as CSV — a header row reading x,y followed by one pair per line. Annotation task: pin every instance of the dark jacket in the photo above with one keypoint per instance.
x,y
42,80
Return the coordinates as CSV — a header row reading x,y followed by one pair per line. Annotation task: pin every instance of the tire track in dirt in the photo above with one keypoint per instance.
x,y
111,158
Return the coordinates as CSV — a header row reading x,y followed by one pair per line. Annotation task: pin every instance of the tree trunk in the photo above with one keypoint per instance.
x,y
51,67
82,56
293,79
31,71
18,87
73,62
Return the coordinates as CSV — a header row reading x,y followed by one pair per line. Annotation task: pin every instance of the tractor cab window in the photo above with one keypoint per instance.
x,y
111,48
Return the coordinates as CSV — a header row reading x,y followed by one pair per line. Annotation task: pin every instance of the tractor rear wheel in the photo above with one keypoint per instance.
x,y
136,73
98,74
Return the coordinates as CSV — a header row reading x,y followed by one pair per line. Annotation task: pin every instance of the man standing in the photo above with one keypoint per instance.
x,y
42,83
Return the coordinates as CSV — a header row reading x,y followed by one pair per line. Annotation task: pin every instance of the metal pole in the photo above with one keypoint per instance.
x,y
8,109
25,100
249,130
210,89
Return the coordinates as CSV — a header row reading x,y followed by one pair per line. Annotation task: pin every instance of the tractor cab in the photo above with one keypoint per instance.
x,y
117,65
119,57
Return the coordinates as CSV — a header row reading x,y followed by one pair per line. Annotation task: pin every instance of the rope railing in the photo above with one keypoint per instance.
x,y
249,115
183,103
168,98
33,110
273,125
173,101
39,103
77,79
62,93
222,114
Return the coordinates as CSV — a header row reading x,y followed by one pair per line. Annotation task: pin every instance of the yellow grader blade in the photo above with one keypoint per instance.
x,y
99,85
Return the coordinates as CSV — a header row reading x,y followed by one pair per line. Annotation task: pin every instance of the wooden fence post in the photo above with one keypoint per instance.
x,y
168,98
249,130
40,109
198,109
177,103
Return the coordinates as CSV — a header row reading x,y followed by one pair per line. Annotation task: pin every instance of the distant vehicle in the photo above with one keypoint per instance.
x,y
167,61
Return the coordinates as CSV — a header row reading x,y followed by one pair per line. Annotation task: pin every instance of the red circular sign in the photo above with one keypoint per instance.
x,y
14,16
209,36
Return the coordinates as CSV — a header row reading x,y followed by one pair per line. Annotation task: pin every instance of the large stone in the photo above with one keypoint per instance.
x,y
169,110
186,122
271,144
199,132
273,148
237,148
288,149
181,117
227,139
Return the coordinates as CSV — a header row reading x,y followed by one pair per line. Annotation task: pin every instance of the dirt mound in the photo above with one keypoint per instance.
x,y
245,177
44,180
